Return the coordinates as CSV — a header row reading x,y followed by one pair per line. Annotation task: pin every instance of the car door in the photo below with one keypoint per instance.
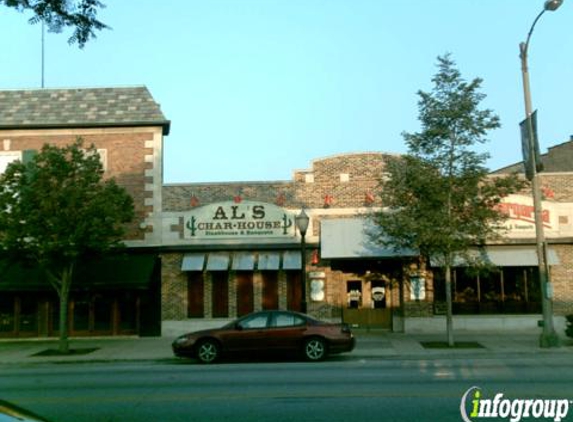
x,y
248,334
286,332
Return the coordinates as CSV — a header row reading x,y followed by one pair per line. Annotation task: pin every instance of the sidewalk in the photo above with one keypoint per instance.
x,y
369,345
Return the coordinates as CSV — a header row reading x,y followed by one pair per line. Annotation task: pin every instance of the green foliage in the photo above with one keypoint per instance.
x,y
57,207
58,14
439,198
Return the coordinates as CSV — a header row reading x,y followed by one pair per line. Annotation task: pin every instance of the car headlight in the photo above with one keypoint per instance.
x,y
180,341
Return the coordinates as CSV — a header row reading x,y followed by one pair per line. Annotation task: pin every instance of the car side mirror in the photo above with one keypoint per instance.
x,y
238,327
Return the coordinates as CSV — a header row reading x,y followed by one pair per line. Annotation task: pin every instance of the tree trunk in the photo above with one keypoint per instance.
x,y
64,292
449,312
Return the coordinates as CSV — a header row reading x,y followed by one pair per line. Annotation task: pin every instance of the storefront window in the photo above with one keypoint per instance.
x,y
245,294
6,313
28,314
294,291
378,294
523,295
354,294
103,308
508,290
127,309
220,298
270,289
54,315
81,313
195,294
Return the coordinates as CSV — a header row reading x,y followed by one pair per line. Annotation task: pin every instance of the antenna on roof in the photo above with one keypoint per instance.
x,y
43,53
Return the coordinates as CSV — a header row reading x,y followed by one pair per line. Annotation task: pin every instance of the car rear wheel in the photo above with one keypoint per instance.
x,y
315,349
208,351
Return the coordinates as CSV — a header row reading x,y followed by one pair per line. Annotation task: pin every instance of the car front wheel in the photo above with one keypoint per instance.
x,y
315,349
208,351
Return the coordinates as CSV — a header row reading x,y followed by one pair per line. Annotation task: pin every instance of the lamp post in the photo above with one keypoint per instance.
x,y
548,336
301,221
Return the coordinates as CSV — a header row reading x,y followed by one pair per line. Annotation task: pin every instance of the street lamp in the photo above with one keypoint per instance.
x,y
548,337
301,221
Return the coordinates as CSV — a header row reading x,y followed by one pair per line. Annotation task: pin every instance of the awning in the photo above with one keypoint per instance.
x,y
133,271
193,262
342,238
504,256
292,260
269,261
243,261
125,271
218,261
16,277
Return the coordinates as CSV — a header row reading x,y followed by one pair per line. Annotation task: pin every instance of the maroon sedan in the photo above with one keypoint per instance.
x,y
267,332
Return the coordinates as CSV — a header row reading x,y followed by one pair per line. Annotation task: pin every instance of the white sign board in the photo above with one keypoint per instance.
x,y
246,219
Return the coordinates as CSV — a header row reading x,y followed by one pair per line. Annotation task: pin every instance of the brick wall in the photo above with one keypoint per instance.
x,y
343,182
562,279
363,172
128,161
559,186
174,288
557,159
350,182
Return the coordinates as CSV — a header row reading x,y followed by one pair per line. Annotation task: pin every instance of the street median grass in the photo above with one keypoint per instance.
x,y
456,345
71,352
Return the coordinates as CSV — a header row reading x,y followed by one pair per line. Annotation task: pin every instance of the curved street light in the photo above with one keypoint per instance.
x,y
549,337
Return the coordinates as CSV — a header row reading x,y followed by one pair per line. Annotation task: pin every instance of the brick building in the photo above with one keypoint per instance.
x,y
557,193
214,269
127,127
201,254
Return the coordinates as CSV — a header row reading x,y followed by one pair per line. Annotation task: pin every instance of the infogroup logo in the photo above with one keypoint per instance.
x,y
474,407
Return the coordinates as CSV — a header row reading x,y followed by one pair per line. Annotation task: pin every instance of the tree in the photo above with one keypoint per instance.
x,y
57,209
58,14
439,198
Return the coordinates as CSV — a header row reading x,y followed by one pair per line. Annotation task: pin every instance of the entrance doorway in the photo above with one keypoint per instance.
x,y
367,304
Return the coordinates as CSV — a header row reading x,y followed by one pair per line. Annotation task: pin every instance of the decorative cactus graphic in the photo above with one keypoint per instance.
x,y
287,223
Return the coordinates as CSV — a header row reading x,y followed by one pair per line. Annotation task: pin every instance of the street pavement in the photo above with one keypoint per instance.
x,y
369,344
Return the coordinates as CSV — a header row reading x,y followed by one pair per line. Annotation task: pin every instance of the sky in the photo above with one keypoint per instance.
x,y
256,89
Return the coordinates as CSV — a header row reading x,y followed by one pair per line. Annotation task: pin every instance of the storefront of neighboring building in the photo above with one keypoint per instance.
x,y
222,257
115,296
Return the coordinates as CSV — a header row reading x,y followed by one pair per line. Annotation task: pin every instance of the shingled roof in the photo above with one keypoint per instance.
x,y
80,107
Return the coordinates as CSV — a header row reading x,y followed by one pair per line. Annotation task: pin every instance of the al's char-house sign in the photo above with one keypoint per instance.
x,y
247,219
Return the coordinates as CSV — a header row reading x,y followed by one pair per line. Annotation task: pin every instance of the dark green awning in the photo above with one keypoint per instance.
x,y
15,277
124,271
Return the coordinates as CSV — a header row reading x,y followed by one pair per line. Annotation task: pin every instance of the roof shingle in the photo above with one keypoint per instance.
x,y
80,107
